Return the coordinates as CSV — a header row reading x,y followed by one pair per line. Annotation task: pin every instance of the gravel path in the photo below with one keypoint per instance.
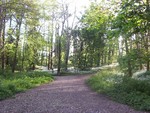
x,y
68,94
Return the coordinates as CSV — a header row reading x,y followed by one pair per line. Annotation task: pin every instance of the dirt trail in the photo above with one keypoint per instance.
x,y
67,94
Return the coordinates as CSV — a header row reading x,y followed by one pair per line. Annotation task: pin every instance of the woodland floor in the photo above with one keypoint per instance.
x,y
67,94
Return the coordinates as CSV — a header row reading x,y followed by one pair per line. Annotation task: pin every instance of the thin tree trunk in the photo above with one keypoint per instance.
x,y
105,57
51,53
109,54
2,34
80,55
147,51
102,58
3,43
42,58
98,59
147,39
59,55
49,49
23,51
23,57
48,60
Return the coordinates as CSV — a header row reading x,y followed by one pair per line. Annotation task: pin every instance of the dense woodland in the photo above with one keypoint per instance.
x,y
34,34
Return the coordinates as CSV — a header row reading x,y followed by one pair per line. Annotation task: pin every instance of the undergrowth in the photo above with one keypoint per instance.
x,y
126,90
19,82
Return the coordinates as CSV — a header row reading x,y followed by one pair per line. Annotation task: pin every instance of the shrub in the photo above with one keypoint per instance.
x,y
5,92
18,82
133,92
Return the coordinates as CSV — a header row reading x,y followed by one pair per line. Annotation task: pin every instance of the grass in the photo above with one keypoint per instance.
x,y
19,82
130,91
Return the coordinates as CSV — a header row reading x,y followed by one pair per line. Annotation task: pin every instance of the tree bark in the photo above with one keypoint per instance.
x,y
98,59
147,51
102,58
2,35
59,49
3,41
16,45
59,55
67,52
105,56
109,54
128,61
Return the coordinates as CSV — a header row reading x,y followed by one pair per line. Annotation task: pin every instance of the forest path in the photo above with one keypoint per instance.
x,y
67,94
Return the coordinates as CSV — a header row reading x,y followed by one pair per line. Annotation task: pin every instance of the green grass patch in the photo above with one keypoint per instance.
x,y
19,82
130,91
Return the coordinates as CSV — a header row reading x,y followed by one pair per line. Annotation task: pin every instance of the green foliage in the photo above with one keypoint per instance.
x,y
133,92
19,82
130,84
132,24
92,38
136,58
102,81
125,90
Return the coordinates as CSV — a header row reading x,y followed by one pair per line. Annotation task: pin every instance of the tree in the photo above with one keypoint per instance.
x,y
132,21
94,36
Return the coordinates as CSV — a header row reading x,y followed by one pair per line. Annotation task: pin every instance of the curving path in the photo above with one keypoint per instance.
x,y
68,94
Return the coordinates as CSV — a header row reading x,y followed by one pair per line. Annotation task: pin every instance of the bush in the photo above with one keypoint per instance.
x,y
135,93
130,84
19,82
5,92
135,61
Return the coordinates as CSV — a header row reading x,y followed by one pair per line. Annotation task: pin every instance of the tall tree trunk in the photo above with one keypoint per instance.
x,y
23,50
105,56
2,34
23,57
3,41
102,58
67,52
59,49
49,57
42,57
68,37
129,61
1,24
51,53
147,51
59,55
16,46
46,57
109,54
80,55
49,49
147,38
59,40
7,55
51,40
85,61
139,50
98,58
